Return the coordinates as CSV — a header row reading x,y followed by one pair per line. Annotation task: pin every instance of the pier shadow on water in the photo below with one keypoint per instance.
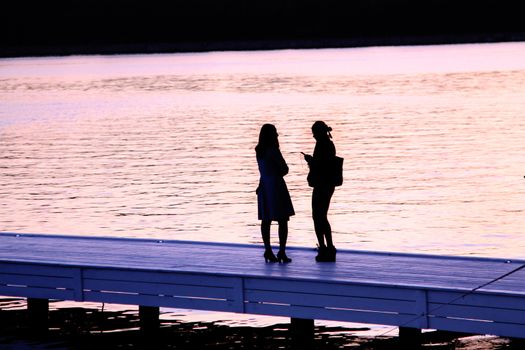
x,y
96,328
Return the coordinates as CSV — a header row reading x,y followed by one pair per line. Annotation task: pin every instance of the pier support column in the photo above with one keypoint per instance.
x,y
410,337
302,333
149,319
38,313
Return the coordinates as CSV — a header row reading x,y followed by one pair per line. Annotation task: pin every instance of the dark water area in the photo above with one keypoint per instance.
x,y
96,328
88,328
99,27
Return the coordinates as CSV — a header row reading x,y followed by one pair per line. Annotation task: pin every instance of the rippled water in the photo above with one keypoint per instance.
x,y
162,145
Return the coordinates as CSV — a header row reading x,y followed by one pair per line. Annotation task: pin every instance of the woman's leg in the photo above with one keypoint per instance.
x,y
317,216
321,197
265,233
283,234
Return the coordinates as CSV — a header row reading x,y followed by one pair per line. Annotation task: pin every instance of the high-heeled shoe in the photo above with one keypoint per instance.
x,y
270,257
281,256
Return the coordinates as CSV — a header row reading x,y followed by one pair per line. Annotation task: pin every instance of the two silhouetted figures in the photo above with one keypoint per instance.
x,y
273,198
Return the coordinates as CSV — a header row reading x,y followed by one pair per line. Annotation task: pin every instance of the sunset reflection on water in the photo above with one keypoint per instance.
x,y
162,145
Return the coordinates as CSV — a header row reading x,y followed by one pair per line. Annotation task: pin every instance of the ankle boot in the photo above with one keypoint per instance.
x,y
331,252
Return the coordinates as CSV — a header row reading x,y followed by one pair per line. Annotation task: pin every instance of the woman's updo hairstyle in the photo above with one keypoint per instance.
x,y
320,128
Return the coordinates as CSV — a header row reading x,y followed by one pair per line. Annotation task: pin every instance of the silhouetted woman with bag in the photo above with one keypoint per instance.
x,y
320,178
273,198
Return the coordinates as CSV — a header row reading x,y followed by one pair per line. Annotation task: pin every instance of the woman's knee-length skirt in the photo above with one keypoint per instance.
x,y
274,200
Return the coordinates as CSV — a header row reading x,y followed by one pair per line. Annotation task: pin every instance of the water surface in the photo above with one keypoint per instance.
x,y
162,145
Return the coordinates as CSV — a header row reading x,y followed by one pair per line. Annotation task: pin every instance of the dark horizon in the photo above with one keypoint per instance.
x,y
79,27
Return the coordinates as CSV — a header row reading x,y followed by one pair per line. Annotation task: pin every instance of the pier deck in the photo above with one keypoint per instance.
x,y
405,290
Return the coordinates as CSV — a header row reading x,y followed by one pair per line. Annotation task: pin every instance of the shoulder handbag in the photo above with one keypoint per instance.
x,y
336,171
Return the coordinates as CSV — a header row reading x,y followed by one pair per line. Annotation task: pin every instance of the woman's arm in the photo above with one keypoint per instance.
x,y
324,152
283,167
278,164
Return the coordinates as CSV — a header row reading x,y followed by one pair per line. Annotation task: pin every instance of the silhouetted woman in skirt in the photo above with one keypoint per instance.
x,y
273,198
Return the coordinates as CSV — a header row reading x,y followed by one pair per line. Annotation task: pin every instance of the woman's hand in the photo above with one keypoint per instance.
x,y
307,157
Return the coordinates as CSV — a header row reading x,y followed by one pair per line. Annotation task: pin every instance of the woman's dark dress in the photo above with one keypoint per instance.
x,y
273,198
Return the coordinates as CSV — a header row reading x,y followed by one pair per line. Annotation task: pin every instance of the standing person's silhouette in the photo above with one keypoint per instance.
x,y
323,188
273,198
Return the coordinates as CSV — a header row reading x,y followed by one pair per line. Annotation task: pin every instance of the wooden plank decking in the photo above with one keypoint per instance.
x,y
419,291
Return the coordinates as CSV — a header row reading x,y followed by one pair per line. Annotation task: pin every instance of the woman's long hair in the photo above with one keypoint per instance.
x,y
267,139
